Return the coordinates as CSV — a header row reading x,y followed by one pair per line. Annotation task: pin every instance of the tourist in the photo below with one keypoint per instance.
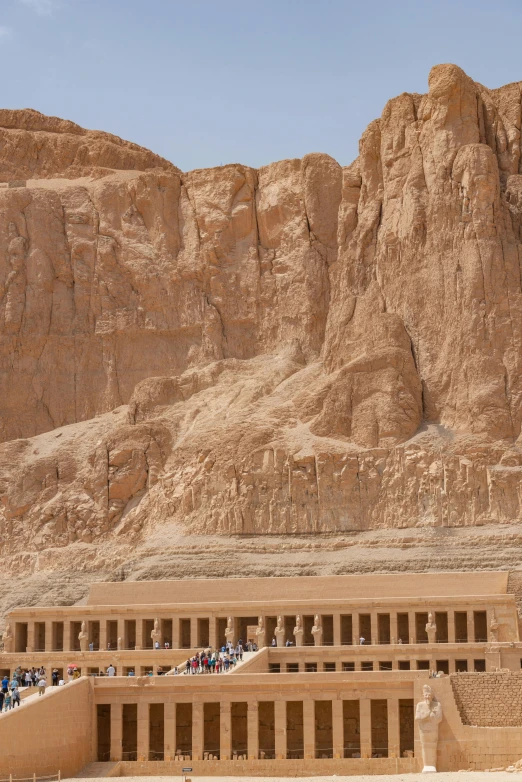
x,y
91,647
156,644
111,670
176,672
2,696
274,642
28,679
5,685
42,684
361,641
131,673
7,701
167,645
55,676
61,683
15,694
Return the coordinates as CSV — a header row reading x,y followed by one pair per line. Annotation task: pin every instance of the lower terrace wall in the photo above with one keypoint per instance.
x,y
271,768
50,733
466,746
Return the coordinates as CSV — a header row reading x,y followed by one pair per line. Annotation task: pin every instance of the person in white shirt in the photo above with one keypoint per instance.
x,y
42,684
61,683
111,670
361,641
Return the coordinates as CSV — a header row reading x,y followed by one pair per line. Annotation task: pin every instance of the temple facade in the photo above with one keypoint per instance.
x,y
349,674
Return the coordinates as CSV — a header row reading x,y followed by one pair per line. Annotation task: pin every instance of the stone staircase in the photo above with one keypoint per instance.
x,y
99,770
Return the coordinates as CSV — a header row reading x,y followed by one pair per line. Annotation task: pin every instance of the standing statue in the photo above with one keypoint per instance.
x,y
260,633
298,631
428,714
229,631
8,639
317,631
120,643
156,635
83,637
431,629
279,632
493,628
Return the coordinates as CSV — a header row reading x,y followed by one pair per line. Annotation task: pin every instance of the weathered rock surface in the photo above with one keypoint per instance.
x,y
300,349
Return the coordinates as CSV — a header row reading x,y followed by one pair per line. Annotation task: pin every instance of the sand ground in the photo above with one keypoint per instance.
x,y
445,776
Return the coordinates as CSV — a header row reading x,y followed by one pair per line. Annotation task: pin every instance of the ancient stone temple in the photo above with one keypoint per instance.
x,y
340,675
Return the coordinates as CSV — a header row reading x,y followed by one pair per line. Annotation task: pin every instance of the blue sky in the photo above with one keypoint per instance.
x,y
206,83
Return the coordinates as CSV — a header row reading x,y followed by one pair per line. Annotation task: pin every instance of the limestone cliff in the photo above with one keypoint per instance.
x,y
298,349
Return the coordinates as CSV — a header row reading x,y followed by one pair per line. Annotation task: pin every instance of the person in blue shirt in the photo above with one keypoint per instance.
x,y
5,684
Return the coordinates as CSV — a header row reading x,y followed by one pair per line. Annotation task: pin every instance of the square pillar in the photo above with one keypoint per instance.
x,y
169,740
337,728
252,729
67,647
225,731
394,629
366,727
212,635
394,735
309,729
280,729
48,636
194,632
356,630
412,627
30,637
175,632
374,627
103,635
143,730
139,633
451,627
116,730
197,730
337,629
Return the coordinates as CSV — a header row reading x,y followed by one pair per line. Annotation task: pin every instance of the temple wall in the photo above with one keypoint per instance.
x,y
489,700
52,733
466,746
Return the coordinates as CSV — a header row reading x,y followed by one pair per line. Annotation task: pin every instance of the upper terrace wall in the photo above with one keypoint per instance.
x,y
50,733
304,588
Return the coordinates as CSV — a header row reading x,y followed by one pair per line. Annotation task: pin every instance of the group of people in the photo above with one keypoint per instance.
x,y
10,688
218,661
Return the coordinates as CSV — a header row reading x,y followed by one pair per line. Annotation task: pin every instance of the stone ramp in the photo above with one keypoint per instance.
x,y
99,770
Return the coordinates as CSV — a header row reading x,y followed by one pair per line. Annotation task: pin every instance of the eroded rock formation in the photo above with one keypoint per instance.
x,y
302,348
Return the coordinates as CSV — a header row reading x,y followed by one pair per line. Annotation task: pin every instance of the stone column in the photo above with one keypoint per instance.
x,y
169,739
309,729
337,728
356,630
197,730
411,628
48,636
67,647
225,731
30,636
212,634
280,729
394,736
175,632
103,635
116,730
253,730
139,633
451,627
366,727
394,628
119,669
374,627
193,632
337,629
143,730
471,627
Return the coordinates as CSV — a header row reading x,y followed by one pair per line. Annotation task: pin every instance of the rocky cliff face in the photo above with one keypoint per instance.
x,y
302,348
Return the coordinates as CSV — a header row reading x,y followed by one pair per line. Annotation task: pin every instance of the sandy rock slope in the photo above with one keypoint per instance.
x,y
301,368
